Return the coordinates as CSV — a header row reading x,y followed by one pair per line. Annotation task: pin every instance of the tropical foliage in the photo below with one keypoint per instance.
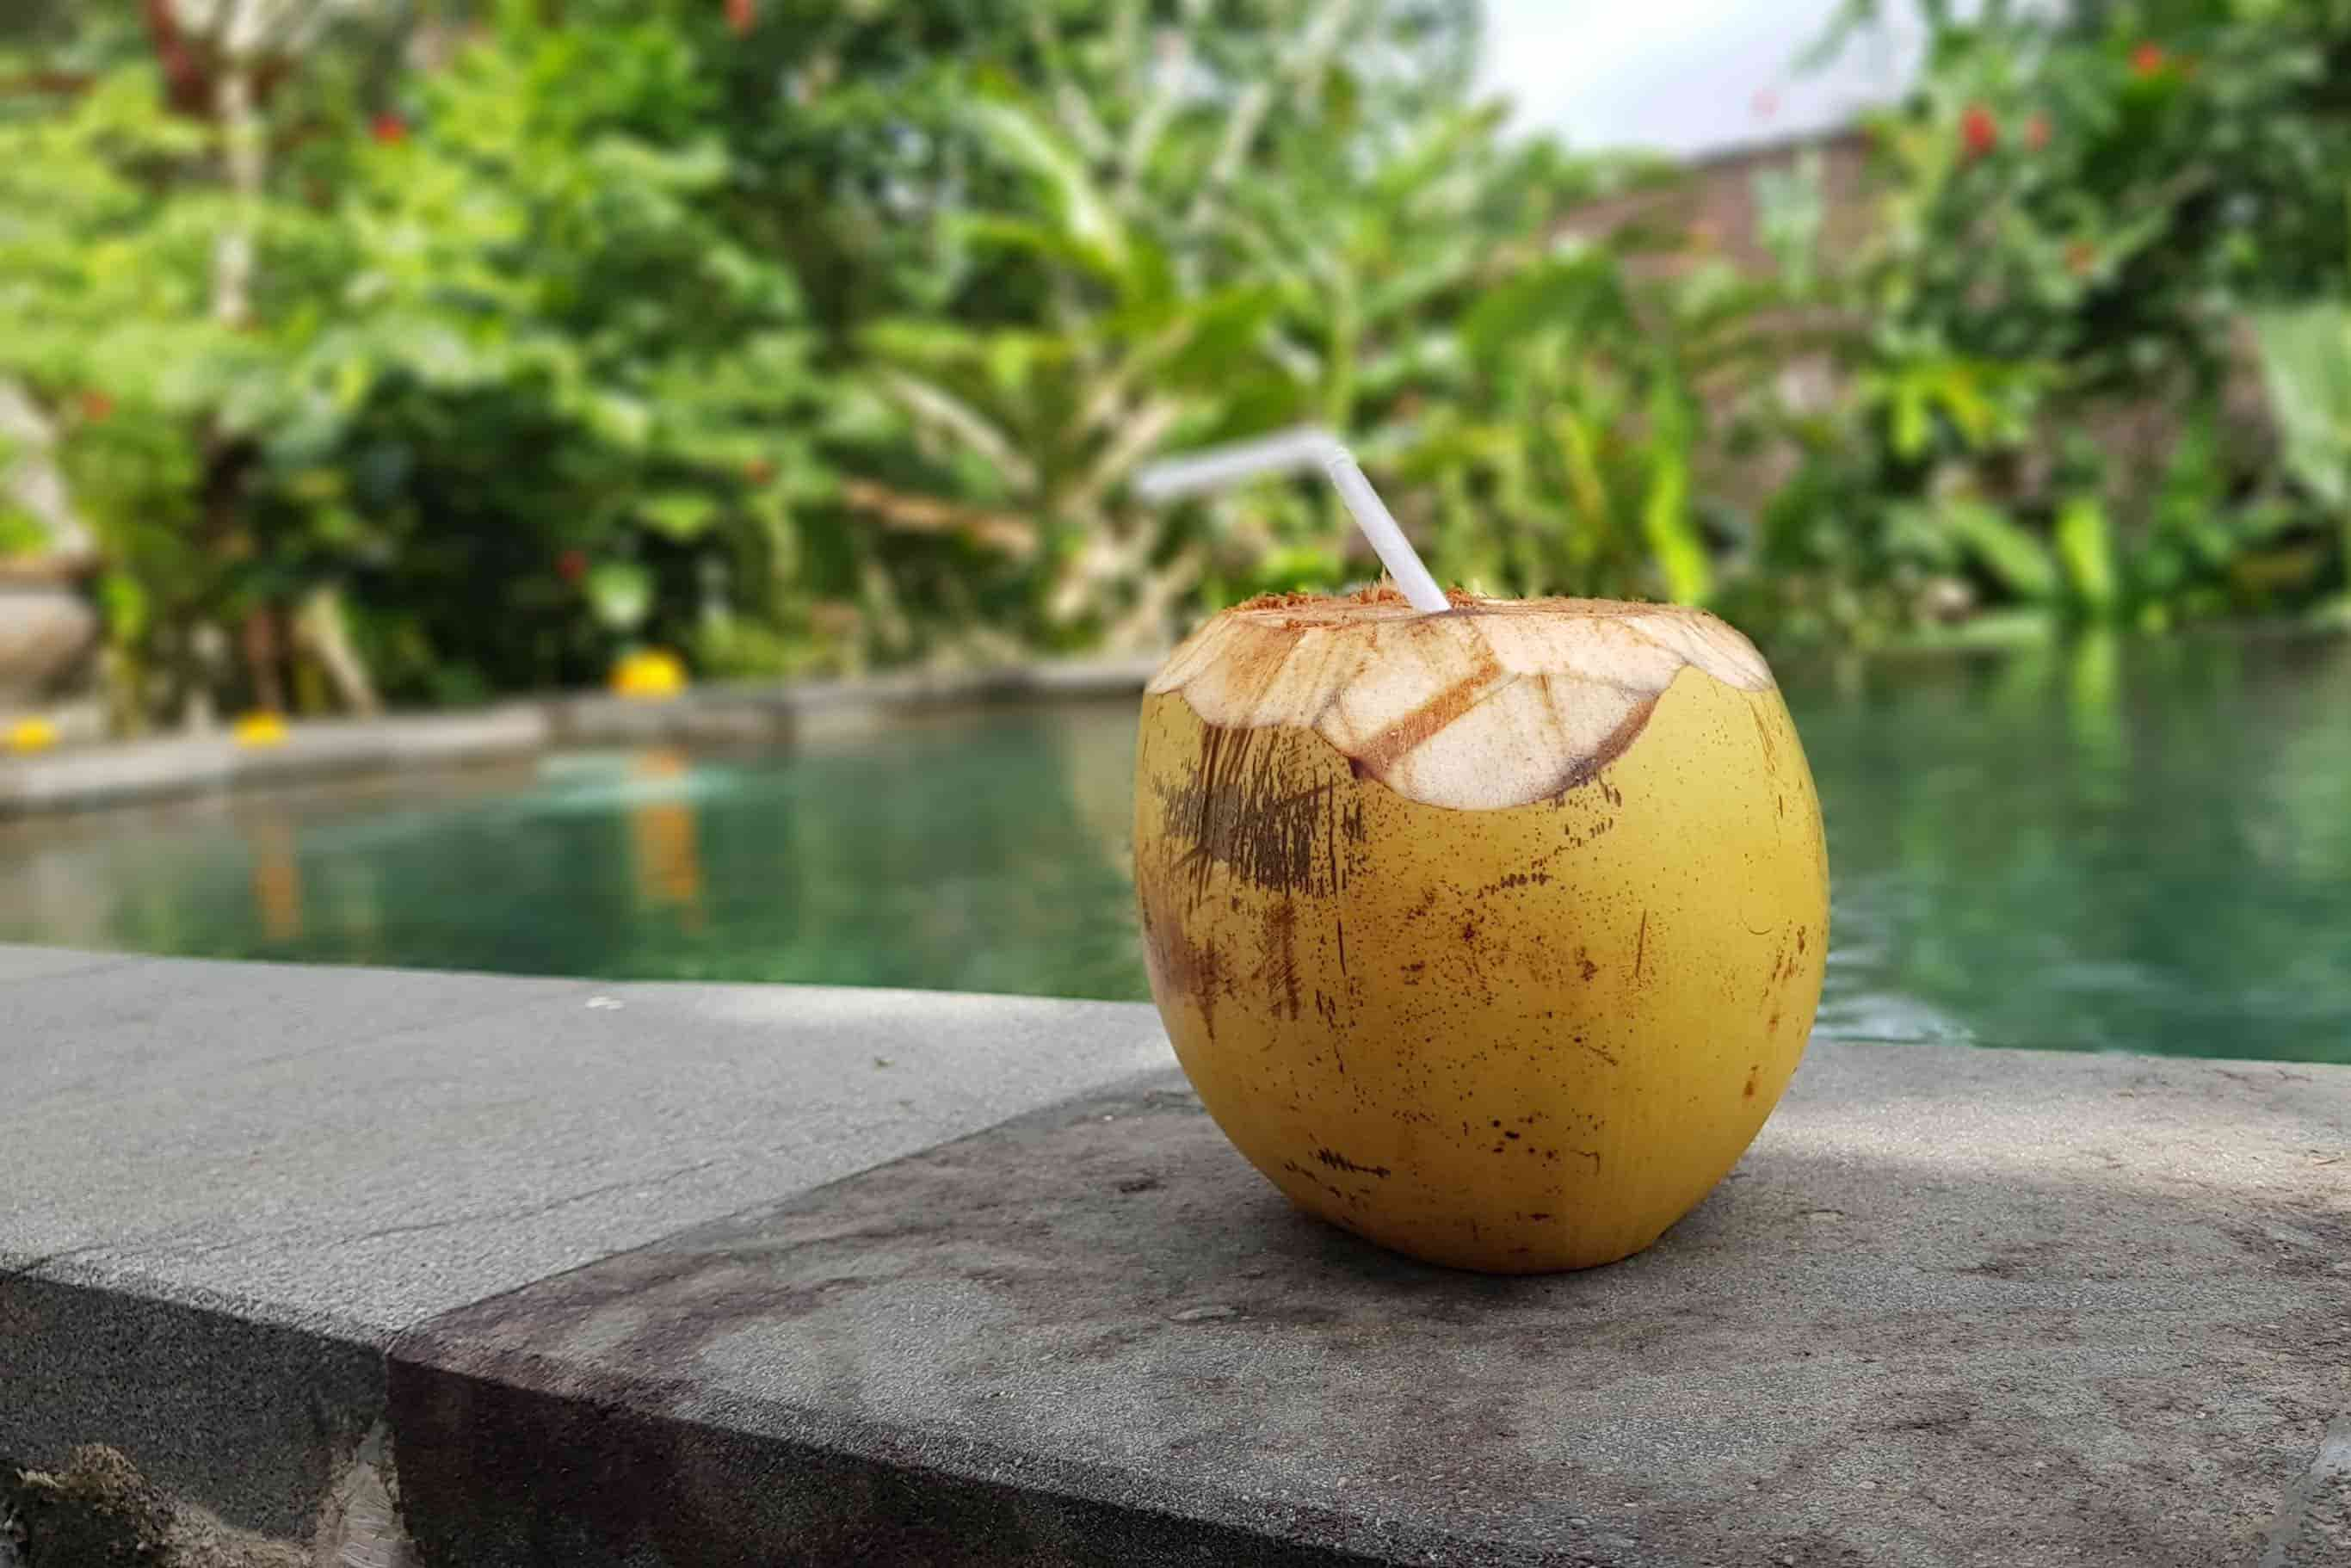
x,y
419,353
2058,396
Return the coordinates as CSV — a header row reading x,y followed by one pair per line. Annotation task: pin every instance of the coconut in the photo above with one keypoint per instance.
x,y
1491,934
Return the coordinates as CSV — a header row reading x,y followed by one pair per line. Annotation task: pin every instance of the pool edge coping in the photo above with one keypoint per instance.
x,y
115,773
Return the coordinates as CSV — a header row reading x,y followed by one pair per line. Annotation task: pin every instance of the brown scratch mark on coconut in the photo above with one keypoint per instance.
x,y
1601,1051
1278,968
1332,1159
1754,1070
1330,1019
1585,964
1641,946
1239,810
1331,849
1799,938
1592,1155
1346,821
1611,746
1426,906
1516,879
1179,967
1763,733
1542,862
1774,1027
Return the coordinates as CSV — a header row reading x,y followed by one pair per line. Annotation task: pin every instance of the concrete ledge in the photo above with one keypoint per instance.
x,y
591,1274
230,1185
255,1420
151,769
1955,1307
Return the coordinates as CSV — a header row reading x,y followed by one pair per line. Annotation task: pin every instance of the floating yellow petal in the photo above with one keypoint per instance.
x,y
32,735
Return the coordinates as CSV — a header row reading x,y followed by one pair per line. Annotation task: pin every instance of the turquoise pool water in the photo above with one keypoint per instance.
x,y
2108,846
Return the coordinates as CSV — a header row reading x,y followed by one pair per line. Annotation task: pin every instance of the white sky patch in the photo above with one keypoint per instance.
x,y
1684,76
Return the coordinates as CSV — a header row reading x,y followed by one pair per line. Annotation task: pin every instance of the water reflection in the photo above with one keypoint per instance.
x,y
661,837
2107,845
277,881
2079,848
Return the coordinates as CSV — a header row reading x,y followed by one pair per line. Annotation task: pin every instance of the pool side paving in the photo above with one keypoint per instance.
x,y
595,1273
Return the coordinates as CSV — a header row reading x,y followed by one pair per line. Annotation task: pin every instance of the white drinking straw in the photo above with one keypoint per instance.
x,y
1379,525
1288,452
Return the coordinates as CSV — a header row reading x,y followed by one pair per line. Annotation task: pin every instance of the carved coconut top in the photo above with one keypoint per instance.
x,y
1495,703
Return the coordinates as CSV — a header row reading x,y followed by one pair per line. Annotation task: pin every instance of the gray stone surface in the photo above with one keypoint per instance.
x,y
353,1149
229,1183
1955,1307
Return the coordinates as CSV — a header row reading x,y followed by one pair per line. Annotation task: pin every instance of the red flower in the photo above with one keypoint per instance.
x,y
742,15
1978,131
2036,132
571,565
388,129
2147,59
2080,257
96,406
759,470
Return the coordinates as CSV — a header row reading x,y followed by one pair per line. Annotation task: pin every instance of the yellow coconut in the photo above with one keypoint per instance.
x,y
1492,935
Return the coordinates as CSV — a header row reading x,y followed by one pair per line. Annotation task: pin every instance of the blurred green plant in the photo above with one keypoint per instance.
x,y
2079,210
133,311
1400,282
428,352
2306,367
1194,232
568,401
1568,465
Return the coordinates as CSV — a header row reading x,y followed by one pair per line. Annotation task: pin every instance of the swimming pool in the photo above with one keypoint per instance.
x,y
2101,846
